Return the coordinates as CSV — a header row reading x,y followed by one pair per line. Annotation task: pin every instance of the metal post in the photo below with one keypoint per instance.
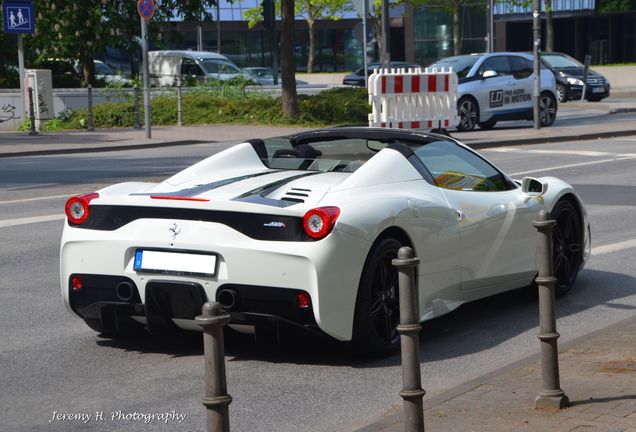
x,y
179,111
551,397
586,70
365,13
409,329
137,121
385,56
31,113
23,108
144,49
89,117
536,48
490,33
216,399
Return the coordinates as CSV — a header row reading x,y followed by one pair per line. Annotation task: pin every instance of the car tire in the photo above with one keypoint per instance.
x,y
547,109
377,313
488,124
567,245
561,94
468,112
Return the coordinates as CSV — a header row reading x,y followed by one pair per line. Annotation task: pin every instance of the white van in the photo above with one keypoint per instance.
x,y
167,67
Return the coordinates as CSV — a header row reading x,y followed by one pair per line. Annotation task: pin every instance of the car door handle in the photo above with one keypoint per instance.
x,y
460,215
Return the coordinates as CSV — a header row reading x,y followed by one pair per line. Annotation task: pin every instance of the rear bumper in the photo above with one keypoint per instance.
x,y
168,304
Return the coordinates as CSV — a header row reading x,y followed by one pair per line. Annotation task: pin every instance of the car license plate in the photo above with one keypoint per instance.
x,y
179,263
598,90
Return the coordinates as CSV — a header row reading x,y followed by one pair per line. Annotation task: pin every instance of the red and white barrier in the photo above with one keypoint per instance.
x,y
413,99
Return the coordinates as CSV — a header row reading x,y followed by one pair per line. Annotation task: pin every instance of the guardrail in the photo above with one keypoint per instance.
x,y
413,98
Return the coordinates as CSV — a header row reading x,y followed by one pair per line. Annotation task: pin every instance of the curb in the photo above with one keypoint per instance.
x,y
103,149
547,139
383,423
476,145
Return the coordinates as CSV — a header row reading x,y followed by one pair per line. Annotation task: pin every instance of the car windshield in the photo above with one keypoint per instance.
x,y
344,155
335,154
103,69
560,62
218,66
461,64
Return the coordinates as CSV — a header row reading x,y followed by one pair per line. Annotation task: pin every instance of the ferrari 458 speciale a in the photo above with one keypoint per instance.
x,y
300,231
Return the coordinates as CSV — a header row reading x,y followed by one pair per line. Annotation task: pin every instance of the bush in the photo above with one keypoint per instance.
x,y
207,106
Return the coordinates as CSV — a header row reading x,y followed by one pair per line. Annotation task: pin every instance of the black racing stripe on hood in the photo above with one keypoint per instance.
x,y
266,189
199,189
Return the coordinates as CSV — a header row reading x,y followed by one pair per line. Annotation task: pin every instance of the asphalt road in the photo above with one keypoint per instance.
x,y
50,362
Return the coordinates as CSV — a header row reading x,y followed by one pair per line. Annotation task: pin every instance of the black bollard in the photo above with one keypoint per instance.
x,y
32,132
216,399
551,396
409,329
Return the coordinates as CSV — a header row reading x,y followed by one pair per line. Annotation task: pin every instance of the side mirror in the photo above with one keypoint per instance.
x,y
489,74
533,187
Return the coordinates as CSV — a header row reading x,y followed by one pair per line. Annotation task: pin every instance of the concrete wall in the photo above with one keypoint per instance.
x,y
10,117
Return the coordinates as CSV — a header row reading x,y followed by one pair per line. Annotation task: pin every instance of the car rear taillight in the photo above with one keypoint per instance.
x,y
303,300
76,282
318,222
77,207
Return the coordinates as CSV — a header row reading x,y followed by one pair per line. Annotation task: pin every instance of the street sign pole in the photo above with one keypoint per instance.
x,y
23,108
18,17
536,42
146,71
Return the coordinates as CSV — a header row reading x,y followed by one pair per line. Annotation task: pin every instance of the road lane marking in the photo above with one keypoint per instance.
x,y
558,152
614,247
28,186
572,165
31,220
36,199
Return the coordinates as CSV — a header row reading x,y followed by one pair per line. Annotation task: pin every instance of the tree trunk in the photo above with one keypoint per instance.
x,y
287,64
312,45
88,69
377,26
457,29
549,27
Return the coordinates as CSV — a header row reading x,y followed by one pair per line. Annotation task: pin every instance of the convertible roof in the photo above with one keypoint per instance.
x,y
380,134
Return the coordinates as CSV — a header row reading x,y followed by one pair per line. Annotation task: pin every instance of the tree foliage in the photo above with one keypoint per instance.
x,y
78,31
311,11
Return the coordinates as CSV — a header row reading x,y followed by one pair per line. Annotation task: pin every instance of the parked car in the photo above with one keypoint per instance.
x,y
106,74
357,78
301,231
569,75
264,75
167,67
499,86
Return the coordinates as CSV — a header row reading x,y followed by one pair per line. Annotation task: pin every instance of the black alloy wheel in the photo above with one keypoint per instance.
x,y
377,307
468,113
567,245
547,109
560,93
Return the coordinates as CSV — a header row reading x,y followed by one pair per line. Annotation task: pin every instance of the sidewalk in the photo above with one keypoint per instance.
x,y
598,374
598,120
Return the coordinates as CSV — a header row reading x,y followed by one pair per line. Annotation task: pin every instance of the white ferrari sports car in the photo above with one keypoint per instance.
x,y
300,231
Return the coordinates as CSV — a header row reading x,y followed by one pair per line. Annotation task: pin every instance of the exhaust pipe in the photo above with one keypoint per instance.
x,y
124,291
228,298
